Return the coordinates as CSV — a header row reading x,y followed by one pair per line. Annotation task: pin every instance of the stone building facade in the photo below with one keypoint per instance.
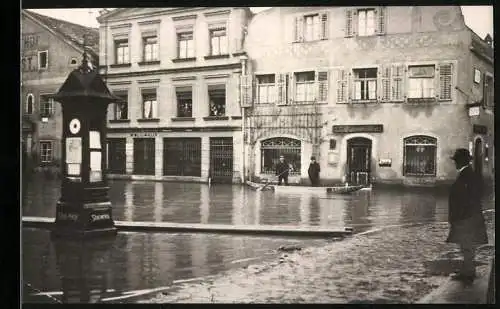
x,y
178,72
50,49
379,94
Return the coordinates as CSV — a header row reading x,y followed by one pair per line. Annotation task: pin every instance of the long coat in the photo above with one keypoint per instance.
x,y
314,170
465,215
282,169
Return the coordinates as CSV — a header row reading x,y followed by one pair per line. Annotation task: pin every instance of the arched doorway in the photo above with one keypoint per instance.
x,y
359,153
478,156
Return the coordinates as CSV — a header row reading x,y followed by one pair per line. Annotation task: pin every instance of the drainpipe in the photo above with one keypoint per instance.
x,y
243,60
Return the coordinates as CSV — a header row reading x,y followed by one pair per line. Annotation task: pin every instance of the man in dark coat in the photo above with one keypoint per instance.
x,y
313,172
467,227
282,169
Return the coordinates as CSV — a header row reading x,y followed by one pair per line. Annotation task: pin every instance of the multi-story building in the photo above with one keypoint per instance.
x,y
50,49
178,72
378,93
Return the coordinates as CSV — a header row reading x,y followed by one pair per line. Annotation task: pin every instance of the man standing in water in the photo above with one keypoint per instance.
x,y
467,227
282,169
313,172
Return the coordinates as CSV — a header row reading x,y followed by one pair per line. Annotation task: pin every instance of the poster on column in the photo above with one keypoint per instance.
x,y
74,150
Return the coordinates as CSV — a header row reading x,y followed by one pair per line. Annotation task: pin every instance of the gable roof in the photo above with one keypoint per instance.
x,y
73,33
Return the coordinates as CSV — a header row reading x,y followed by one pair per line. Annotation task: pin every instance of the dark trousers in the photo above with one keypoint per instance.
x,y
314,181
281,178
468,266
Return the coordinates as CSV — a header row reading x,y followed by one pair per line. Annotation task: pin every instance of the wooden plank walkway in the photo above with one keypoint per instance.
x,y
44,222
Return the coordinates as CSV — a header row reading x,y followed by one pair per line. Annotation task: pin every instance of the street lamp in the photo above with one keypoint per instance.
x,y
84,207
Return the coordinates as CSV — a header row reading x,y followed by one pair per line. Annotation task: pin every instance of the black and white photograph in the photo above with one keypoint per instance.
x,y
257,155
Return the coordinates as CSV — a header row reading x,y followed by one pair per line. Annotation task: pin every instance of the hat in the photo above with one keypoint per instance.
x,y
461,154
313,158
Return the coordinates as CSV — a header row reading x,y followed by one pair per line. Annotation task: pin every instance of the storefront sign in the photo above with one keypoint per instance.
x,y
67,216
385,162
144,134
101,217
361,128
479,129
474,111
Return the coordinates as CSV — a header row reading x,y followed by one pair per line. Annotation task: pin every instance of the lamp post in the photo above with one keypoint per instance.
x,y
84,207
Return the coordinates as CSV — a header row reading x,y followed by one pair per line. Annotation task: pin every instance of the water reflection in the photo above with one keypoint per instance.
x,y
103,270
239,205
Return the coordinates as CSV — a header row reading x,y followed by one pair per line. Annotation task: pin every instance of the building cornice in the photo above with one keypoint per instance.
x,y
174,70
174,129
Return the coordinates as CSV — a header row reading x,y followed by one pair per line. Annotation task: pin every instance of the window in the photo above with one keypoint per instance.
x,y
43,59
185,45
74,61
121,108
271,150
420,156
217,99
421,82
304,87
184,101
46,105
488,91
149,104
365,84
218,42
30,103
366,22
312,28
46,151
122,51
150,52
266,88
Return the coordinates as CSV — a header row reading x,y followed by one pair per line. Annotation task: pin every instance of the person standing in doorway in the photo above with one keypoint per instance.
x,y
313,172
465,216
282,170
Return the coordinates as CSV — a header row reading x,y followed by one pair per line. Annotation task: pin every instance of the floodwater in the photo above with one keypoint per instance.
x,y
122,269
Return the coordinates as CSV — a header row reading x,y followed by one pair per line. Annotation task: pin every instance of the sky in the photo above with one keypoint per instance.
x,y
478,18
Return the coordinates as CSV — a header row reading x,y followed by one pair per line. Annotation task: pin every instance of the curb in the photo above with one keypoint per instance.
x,y
48,223
454,292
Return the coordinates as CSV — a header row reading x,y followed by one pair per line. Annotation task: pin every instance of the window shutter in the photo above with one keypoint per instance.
x,y
349,22
354,22
300,29
398,83
291,88
280,89
246,90
322,86
380,20
324,26
384,84
444,73
342,88
295,29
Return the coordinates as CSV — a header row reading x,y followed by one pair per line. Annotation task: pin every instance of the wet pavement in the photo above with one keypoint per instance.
x,y
132,263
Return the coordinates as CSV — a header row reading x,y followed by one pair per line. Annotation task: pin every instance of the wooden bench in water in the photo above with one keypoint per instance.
x,y
306,189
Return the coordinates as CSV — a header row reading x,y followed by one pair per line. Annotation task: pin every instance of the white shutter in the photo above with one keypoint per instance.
x,y
398,78
281,88
444,74
342,85
322,83
324,26
384,83
349,21
380,20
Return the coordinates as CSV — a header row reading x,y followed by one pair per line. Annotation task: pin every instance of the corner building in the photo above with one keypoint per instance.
x,y
378,94
178,72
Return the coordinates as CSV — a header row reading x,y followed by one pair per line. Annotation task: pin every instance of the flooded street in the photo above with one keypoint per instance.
x,y
120,269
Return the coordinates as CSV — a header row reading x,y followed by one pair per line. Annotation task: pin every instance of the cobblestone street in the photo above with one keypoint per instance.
x,y
393,265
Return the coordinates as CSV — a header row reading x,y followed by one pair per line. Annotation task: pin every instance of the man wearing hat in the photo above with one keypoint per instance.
x,y
313,172
467,227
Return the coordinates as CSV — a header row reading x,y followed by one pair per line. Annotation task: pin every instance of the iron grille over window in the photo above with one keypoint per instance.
x,y
271,149
420,156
